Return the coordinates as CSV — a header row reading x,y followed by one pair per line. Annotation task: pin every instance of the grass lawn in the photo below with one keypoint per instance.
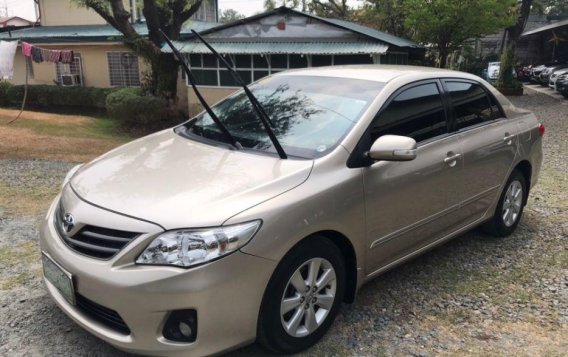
x,y
70,138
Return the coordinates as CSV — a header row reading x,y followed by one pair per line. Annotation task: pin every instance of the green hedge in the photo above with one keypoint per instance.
x,y
134,111
46,95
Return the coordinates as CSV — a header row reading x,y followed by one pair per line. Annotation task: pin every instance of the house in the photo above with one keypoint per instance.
x,y
100,57
542,35
284,39
260,45
550,42
13,22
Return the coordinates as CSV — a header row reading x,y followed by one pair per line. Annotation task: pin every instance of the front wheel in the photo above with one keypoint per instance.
x,y
510,207
302,297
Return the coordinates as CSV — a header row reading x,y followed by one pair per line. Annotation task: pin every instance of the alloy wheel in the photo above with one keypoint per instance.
x,y
512,203
308,297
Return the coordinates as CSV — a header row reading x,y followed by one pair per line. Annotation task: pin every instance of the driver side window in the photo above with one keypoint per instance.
x,y
417,112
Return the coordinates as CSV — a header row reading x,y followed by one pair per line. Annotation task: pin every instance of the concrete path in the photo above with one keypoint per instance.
x,y
544,90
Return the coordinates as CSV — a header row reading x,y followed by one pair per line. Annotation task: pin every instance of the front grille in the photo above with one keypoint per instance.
x,y
104,315
97,242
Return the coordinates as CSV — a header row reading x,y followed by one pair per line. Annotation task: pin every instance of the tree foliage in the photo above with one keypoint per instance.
x,y
550,7
230,15
448,24
385,15
508,58
273,4
166,15
337,9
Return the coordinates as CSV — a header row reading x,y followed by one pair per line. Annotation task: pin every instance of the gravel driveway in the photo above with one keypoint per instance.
x,y
476,295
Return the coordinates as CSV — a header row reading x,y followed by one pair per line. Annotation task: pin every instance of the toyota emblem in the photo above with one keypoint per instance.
x,y
68,222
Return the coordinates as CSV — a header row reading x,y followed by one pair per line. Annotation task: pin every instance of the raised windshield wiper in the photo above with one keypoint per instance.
x,y
255,103
208,109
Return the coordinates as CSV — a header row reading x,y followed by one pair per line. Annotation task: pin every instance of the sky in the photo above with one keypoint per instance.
x,y
21,8
25,8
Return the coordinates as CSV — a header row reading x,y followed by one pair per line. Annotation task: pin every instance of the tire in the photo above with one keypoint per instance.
x,y
510,206
292,275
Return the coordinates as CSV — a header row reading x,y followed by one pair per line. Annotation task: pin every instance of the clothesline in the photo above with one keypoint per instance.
x,y
39,55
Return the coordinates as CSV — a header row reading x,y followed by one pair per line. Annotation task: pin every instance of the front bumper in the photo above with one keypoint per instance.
x,y
226,293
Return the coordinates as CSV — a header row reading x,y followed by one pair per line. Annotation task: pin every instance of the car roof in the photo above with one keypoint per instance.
x,y
378,72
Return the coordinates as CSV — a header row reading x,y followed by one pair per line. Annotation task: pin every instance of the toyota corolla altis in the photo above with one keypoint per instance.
x,y
229,229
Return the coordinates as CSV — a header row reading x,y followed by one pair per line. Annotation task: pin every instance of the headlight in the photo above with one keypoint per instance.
x,y
186,248
70,174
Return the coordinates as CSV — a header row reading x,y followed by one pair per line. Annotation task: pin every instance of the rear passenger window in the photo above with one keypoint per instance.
x,y
417,112
471,104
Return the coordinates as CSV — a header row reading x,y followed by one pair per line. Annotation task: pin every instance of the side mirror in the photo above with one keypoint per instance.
x,y
393,148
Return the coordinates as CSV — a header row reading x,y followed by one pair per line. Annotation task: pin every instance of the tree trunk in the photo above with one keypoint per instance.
x,y
165,71
508,57
442,55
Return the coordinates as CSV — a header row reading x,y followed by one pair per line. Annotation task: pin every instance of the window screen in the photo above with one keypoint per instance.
x,y
417,112
123,69
74,68
471,104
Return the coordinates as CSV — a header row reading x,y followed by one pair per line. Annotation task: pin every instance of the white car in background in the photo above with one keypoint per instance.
x,y
493,69
554,77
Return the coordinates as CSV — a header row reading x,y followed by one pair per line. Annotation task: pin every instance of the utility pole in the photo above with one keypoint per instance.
x,y
4,9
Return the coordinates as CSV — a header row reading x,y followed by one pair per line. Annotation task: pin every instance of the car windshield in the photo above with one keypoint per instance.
x,y
311,114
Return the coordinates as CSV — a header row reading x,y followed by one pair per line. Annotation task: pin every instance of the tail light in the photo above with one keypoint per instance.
x,y
541,129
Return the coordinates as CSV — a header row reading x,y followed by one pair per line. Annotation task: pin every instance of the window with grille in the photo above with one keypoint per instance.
x,y
208,72
123,69
63,71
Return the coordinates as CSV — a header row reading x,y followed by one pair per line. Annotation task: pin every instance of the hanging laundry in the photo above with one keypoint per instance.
x,y
67,57
26,49
36,55
54,56
45,53
7,54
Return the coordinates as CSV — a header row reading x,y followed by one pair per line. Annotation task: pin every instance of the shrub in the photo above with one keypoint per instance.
x,y
4,88
134,111
48,96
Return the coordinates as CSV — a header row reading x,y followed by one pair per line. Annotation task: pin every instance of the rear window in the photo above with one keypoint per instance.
x,y
472,105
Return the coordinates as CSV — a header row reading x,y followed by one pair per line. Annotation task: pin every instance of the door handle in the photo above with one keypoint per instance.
x,y
508,138
451,160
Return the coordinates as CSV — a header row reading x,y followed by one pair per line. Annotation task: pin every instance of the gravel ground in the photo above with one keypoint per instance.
x,y
476,295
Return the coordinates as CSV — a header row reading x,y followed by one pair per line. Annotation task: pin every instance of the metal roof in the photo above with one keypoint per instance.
x,y
376,34
363,30
552,26
309,48
88,33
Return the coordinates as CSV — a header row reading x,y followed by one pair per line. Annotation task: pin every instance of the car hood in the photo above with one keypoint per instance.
x,y
180,183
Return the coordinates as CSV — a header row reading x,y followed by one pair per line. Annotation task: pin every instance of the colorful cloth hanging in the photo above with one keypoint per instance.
x,y
37,54
7,54
40,55
67,57
26,49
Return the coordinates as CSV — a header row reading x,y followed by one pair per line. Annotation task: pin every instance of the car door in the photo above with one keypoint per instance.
x,y
409,204
489,144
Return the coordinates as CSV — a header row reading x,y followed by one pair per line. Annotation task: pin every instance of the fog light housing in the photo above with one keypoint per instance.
x,y
181,326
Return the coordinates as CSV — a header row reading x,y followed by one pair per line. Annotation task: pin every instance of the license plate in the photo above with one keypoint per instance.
x,y
57,276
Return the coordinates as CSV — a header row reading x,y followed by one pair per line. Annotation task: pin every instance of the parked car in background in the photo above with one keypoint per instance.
x,y
221,231
524,73
562,84
493,69
546,72
535,73
554,76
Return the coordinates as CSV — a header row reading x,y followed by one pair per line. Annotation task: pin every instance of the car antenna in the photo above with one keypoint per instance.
x,y
266,122
208,109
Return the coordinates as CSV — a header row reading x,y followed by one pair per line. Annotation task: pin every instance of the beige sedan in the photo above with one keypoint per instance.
x,y
205,237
